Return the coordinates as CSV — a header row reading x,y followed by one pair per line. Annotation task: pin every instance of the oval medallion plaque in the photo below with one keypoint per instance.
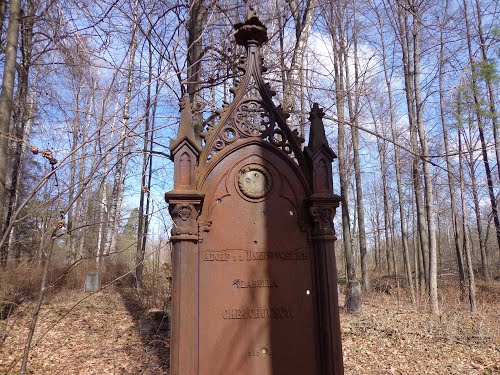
x,y
254,181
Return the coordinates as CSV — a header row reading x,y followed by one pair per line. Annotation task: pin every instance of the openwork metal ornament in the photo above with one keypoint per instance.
x,y
253,119
252,115
254,181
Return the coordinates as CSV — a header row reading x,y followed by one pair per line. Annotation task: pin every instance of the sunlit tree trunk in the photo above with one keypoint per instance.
x,y
120,165
449,166
353,296
428,191
466,242
353,106
6,102
480,127
303,19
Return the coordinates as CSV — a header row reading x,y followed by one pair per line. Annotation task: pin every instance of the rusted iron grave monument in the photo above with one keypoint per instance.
x,y
254,278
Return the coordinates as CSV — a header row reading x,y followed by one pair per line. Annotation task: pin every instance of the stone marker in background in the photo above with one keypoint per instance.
x,y
254,284
92,282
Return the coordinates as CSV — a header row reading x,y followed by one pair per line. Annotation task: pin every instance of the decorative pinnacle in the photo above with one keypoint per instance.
x,y
317,137
252,31
186,129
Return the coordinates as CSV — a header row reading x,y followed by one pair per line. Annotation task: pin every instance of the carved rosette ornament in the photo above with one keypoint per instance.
x,y
254,181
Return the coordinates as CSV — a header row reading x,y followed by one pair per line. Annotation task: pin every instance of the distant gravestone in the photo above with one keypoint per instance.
x,y
254,284
92,282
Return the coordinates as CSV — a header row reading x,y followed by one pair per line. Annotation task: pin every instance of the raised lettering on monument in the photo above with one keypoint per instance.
x,y
245,284
258,313
240,255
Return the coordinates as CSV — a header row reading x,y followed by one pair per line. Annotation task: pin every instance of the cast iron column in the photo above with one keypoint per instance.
x,y
322,206
184,204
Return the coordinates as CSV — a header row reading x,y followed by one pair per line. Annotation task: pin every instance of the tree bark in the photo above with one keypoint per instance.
x,y
303,24
6,102
407,48
21,115
120,166
353,116
429,195
397,164
466,242
489,84
353,296
480,126
196,24
449,166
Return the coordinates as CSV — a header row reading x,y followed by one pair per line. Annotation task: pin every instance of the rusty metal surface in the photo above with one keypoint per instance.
x,y
254,280
256,301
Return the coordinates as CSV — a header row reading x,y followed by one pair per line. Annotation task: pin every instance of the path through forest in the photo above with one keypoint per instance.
x,y
101,336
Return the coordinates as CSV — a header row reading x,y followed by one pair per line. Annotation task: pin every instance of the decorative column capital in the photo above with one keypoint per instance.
x,y
322,209
184,209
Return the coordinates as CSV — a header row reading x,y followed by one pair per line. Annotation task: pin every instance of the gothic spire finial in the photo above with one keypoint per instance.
x,y
252,31
186,129
317,136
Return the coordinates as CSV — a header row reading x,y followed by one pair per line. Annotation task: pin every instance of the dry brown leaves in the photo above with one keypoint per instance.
x,y
387,337
98,337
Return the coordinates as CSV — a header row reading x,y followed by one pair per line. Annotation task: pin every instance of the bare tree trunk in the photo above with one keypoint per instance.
x,y
6,96
480,126
353,297
3,8
407,48
72,179
429,195
382,153
397,166
21,116
483,45
466,243
145,184
449,166
353,116
103,210
120,166
303,24
196,23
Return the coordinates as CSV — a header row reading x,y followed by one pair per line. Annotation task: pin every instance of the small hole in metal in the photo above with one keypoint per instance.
x,y
308,292
255,242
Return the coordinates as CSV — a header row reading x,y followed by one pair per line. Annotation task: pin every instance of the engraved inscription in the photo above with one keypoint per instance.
x,y
242,284
215,257
240,255
276,255
260,352
258,313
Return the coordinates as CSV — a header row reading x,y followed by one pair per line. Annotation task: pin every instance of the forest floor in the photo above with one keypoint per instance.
x,y
100,336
